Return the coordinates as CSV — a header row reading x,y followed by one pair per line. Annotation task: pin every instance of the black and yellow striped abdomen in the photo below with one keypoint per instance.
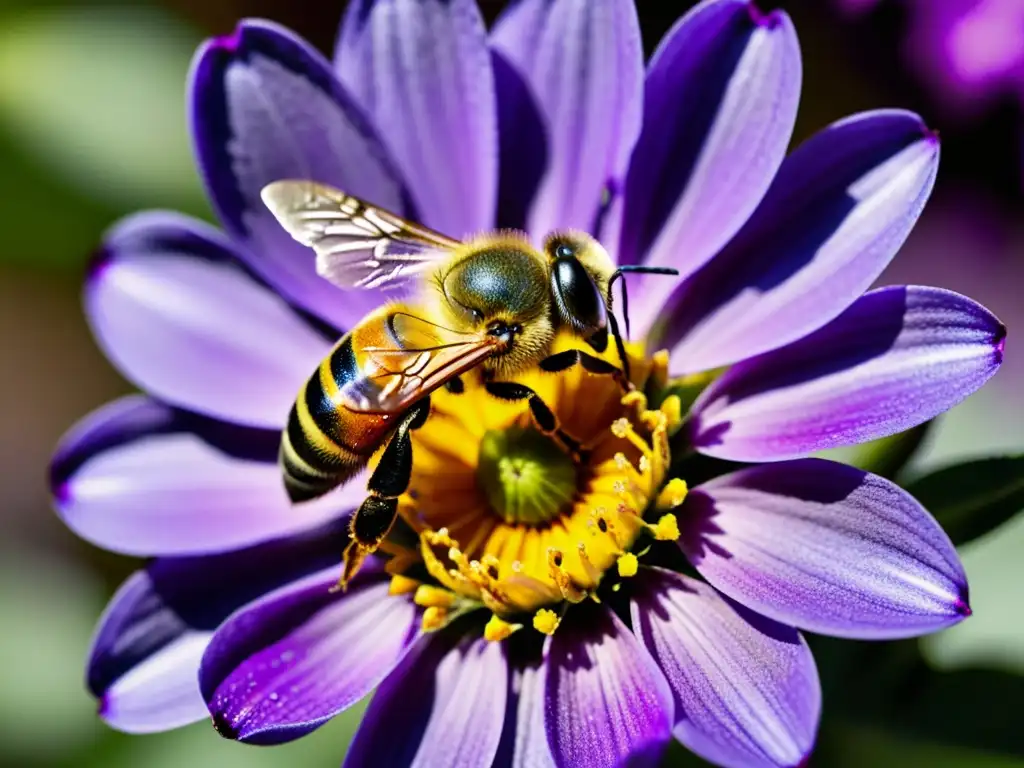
x,y
325,443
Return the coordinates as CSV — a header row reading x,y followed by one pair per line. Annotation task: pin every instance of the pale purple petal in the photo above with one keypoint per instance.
x,y
584,63
746,688
522,145
896,358
524,742
443,706
825,547
266,106
172,307
719,106
839,209
606,702
142,478
422,70
144,663
289,662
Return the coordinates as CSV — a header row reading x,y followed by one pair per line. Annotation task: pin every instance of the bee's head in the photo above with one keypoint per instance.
x,y
499,285
580,270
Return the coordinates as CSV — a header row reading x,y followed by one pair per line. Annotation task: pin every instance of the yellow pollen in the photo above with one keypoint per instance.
x,y
429,596
659,369
402,585
434,618
621,427
672,407
546,621
627,565
498,629
673,494
666,529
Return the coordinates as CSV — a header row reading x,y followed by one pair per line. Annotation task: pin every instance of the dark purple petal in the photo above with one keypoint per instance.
x,y
422,70
825,547
719,105
443,706
606,702
584,63
522,145
839,209
746,688
175,311
896,358
142,478
144,662
524,741
266,106
289,662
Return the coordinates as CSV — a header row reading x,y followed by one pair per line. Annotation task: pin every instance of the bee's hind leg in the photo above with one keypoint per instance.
x,y
375,516
543,416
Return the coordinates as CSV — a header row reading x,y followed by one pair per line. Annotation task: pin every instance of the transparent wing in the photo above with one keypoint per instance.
x,y
413,358
356,244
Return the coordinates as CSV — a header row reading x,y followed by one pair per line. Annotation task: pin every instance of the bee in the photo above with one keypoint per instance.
x,y
493,303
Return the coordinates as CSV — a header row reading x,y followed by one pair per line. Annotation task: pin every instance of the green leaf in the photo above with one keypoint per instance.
x,y
973,498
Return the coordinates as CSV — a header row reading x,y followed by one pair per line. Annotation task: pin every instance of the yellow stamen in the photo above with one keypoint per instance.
x,y
627,565
498,629
402,585
565,585
546,621
673,494
429,596
659,369
672,407
666,529
434,618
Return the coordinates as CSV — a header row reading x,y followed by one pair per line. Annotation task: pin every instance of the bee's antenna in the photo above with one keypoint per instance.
x,y
632,269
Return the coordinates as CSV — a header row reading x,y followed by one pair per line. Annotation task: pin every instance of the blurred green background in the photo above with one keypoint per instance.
x,y
92,126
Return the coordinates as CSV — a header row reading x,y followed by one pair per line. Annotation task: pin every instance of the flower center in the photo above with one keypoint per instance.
x,y
525,475
510,519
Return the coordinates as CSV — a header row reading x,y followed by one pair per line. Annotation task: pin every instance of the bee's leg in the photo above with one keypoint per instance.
x,y
562,361
543,416
375,516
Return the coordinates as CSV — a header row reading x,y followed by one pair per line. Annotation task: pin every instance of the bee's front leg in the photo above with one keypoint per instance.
x,y
543,416
375,516
562,361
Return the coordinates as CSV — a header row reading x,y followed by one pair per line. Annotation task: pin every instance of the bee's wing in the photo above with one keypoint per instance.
x,y
418,357
356,244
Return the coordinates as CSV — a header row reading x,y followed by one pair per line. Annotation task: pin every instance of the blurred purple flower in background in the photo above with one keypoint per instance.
x,y
548,122
968,51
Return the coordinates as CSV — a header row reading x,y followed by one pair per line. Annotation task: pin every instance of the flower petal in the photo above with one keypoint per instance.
x,y
839,209
142,478
266,106
719,106
896,358
289,662
522,145
144,662
171,306
444,705
584,63
825,547
524,742
746,688
606,702
422,70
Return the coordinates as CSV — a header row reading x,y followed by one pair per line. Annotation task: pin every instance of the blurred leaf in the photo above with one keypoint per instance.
x,y
973,498
96,94
849,746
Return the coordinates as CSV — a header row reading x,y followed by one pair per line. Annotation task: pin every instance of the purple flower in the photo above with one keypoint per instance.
x,y
548,121
966,50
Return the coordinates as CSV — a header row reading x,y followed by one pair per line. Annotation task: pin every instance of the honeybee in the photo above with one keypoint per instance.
x,y
493,303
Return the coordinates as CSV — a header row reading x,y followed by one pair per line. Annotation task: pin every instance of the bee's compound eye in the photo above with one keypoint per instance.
x,y
564,251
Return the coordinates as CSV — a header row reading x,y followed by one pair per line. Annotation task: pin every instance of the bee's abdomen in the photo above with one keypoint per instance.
x,y
325,444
